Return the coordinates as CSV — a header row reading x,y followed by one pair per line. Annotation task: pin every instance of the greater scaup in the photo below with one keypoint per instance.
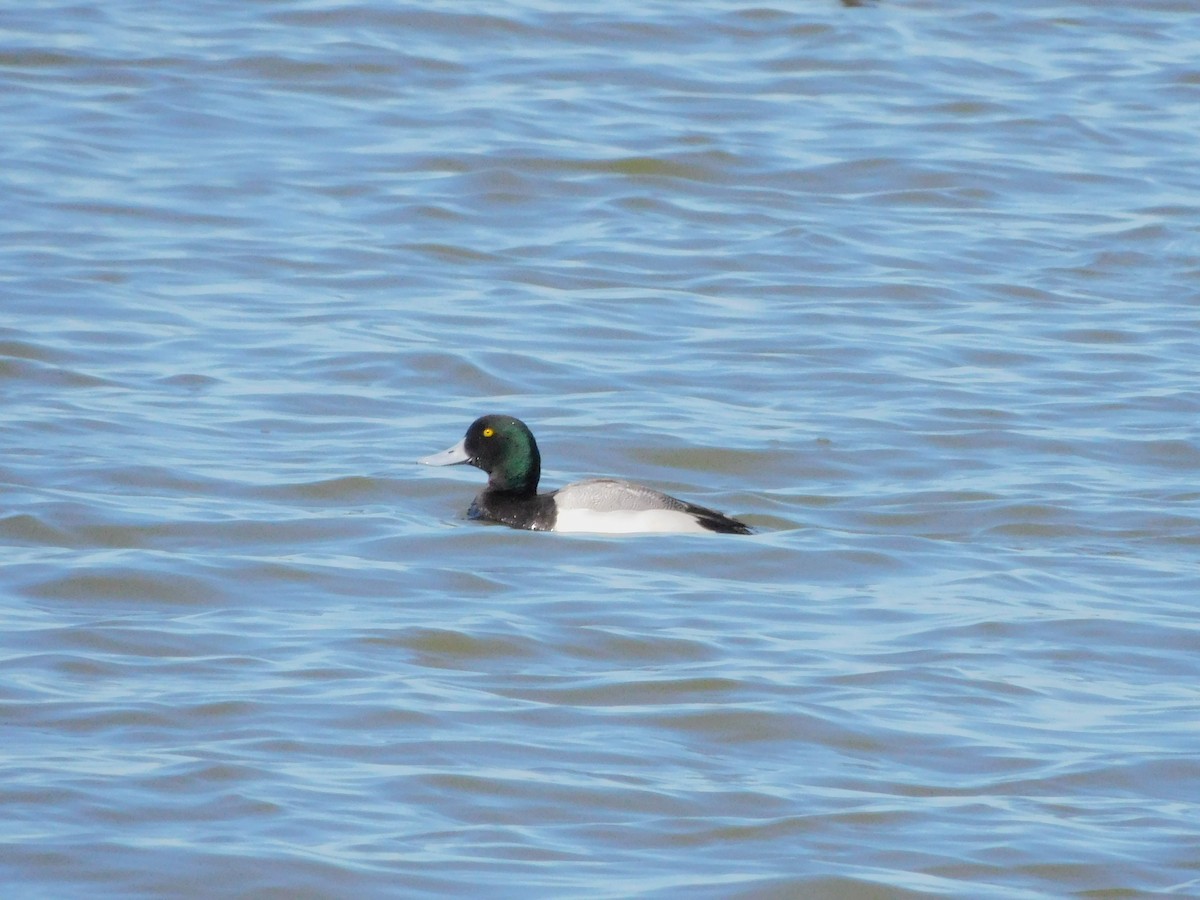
x,y
504,448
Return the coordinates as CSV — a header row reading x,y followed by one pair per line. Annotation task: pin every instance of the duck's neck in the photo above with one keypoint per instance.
x,y
520,472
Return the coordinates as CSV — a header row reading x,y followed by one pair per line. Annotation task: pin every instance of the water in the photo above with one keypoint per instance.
x,y
911,289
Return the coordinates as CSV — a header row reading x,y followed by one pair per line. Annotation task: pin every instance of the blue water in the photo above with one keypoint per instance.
x,y
913,289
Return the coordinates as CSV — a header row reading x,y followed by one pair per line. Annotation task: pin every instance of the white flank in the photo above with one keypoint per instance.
x,y
627,521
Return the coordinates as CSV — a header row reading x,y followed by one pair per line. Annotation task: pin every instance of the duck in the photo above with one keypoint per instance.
x,y
504,448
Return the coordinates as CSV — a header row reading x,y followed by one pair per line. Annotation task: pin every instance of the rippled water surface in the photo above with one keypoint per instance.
x,y
914,288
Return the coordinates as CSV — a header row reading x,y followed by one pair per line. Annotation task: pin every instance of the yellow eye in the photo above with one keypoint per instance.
x,y
488,432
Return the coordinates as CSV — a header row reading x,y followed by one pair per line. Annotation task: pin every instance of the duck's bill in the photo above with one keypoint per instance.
x,y
450,457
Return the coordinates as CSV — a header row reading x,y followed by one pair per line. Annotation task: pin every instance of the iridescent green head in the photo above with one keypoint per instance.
x,y
503,447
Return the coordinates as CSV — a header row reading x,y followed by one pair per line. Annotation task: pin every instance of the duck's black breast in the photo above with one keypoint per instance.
x,y
533,513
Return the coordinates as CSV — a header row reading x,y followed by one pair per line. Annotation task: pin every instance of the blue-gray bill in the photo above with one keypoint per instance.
x,y
451,456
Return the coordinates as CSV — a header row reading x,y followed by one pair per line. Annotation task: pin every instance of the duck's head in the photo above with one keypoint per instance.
x,y
503,447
